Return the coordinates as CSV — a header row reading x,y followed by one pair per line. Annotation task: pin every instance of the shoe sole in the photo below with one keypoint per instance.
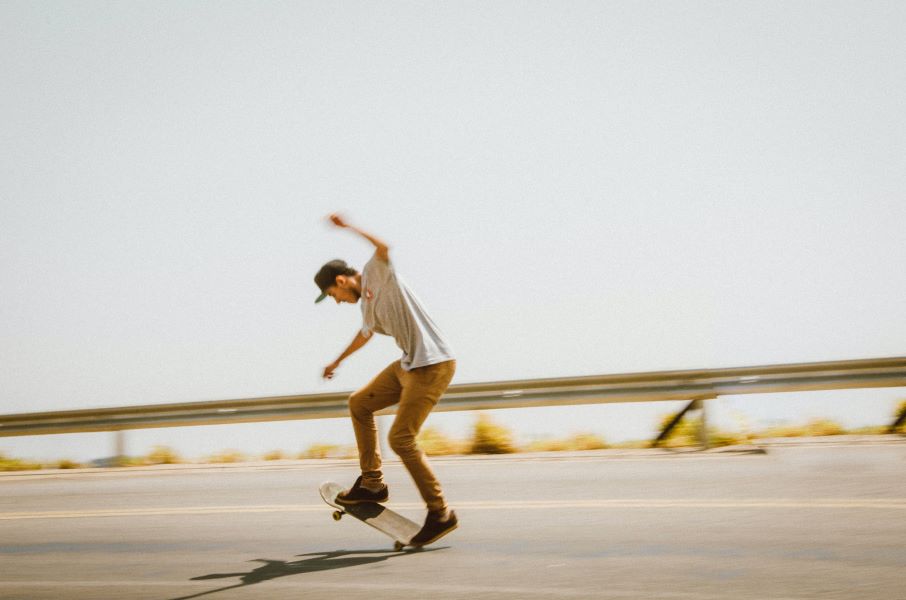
x,y
351,502
435,538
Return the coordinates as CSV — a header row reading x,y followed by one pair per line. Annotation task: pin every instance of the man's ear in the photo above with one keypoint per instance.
x,y
341,281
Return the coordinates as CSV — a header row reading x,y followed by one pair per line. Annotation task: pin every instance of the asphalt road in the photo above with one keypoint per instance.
x,y
801,522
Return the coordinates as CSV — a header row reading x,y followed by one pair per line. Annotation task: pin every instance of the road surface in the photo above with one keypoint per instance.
x,y
799,522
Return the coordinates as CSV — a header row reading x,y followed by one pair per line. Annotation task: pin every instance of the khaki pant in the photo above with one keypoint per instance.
x,y
417,392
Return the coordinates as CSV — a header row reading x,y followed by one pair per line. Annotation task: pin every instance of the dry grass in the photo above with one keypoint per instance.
x,y
815,427
163,455
901,409
435,443
328,451
576,442
490,438
17,464
226,456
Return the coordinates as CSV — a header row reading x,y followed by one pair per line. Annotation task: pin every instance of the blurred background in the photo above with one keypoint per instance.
x,y
571,189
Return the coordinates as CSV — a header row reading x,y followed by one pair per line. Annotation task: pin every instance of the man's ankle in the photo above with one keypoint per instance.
x,y
442,515
374,486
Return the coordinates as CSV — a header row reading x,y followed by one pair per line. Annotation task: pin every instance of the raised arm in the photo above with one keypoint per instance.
x,y
382,251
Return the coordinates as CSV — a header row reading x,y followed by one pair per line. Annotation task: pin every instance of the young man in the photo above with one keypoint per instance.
x,y
416,381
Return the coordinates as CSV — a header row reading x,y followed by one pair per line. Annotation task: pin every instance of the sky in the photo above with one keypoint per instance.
x,y
571,188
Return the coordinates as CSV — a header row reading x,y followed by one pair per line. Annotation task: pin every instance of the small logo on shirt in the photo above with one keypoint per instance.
x,y
369,295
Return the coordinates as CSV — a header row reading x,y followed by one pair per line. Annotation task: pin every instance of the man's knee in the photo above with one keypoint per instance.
x,y
402,442
357,405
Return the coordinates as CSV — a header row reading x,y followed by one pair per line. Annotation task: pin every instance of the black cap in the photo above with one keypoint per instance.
x,y
327,276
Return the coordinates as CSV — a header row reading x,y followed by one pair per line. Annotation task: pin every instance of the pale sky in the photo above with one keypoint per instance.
x,y
570,187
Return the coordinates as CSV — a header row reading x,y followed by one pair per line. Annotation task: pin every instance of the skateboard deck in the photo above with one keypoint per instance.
x,y
399,528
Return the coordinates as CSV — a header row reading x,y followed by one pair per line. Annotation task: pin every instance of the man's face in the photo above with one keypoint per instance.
x,y
344,291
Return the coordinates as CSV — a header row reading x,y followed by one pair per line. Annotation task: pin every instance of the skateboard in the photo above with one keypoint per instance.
x,y
399,528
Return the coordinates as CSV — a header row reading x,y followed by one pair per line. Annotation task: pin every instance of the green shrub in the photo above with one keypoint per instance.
x,y
65,463
490,438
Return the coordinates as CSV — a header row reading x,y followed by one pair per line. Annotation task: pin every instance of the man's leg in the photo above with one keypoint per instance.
x,y
381,392
422,388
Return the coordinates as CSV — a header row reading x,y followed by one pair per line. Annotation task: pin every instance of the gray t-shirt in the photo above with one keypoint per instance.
x,y
389,307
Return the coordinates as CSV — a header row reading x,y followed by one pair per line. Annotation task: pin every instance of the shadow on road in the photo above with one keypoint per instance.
x,y
311,563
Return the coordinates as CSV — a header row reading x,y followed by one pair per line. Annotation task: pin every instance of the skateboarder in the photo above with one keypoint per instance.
x,y
416,381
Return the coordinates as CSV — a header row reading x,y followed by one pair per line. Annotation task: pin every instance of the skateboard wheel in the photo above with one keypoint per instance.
x,y
398,546
337,515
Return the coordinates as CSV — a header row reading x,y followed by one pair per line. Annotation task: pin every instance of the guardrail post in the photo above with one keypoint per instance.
x,y
899,421
703,425
119,448
672,424
383,423
697,404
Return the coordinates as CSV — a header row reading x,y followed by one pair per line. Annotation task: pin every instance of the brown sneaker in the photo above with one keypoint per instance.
x,y
358,494
434,529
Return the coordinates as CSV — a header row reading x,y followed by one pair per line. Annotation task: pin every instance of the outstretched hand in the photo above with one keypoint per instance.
x,y
338,220
329,369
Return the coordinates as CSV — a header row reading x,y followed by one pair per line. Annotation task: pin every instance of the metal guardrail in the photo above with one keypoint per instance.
x,y
692,385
